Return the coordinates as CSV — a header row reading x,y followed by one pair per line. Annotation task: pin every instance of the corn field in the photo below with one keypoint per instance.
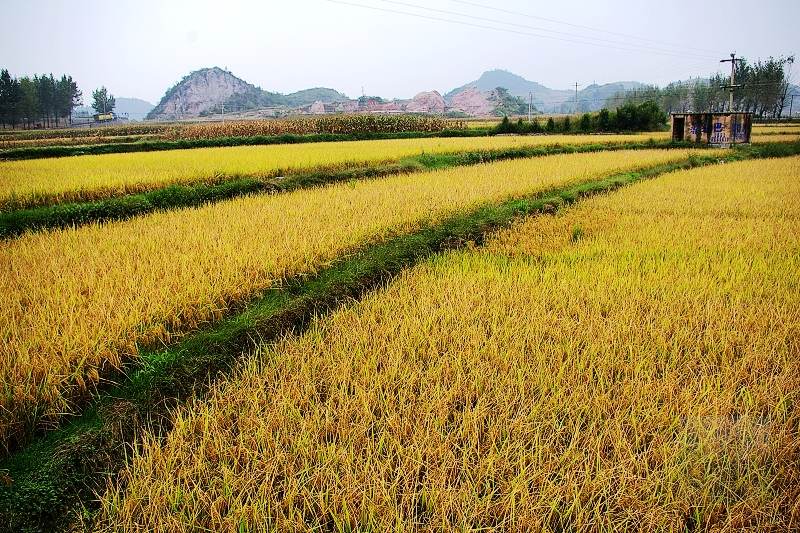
x,y
336,124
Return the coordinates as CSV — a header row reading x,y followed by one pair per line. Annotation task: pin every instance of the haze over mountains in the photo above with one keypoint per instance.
x,y
213,90
132,108
591,98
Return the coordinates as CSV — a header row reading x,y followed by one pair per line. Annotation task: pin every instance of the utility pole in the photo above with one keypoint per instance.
x,y
223,112
530,105
733,85
791,102
576,96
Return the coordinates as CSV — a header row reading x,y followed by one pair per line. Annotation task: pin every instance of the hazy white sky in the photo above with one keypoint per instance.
x,y
140,47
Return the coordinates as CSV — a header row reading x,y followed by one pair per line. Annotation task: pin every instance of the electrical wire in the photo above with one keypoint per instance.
x,y
506,30
538,28
581,26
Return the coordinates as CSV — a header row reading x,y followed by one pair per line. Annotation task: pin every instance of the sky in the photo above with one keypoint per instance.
x,y
393,49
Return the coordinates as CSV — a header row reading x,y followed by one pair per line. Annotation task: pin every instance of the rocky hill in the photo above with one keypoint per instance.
x,y
427,102
198,93
495,93
207,90
591,98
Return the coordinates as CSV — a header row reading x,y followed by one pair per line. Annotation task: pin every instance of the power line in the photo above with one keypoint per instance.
x,y
555,21
538,28
506,30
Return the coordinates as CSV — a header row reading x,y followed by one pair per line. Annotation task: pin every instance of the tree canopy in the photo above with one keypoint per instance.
x,y
102,102
39,100
764,90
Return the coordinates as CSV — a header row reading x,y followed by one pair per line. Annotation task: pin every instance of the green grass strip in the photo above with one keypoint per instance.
x,y
51,483
54,215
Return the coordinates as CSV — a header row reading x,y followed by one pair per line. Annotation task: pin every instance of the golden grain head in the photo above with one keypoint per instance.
x,y
92,177
86,298
630,364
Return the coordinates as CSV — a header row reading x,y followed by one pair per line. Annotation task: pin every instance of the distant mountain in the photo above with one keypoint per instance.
x,y
204,90
132,108
496,93
516,86
317,94
209,90
591,98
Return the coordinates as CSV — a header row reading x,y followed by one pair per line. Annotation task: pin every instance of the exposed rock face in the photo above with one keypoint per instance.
x,y
472,102
317,108
200,91
426,102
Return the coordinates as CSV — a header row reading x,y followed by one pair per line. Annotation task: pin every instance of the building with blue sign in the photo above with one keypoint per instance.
x,y
716,129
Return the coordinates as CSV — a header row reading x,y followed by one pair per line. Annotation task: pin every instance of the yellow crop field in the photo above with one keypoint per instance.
x,y
79,300
757,137
480,124
71,141
631,364
776,128
97,176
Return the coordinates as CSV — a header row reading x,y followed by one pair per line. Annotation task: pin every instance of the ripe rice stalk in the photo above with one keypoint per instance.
x,y
94,177
642,376
78,302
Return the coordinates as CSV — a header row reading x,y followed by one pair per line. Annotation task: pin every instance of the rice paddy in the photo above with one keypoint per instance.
x,y
631,363
80,302
91,177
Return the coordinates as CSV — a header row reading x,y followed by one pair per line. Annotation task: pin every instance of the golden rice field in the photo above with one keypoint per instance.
x,y
79,301
73,141
90,177
631,364
777,128
757,137
481,124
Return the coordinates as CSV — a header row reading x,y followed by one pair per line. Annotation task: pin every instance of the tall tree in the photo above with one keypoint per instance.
x,y
5,97
46,91
10,96
29,103
67,96
102,101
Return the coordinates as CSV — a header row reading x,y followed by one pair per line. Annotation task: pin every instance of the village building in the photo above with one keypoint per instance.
x,y
716,129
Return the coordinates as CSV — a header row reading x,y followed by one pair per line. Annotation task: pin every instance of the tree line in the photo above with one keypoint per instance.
x,y
629,117
42,100
764,91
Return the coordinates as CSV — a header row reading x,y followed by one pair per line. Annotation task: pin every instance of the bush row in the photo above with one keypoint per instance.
x,y
630,117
